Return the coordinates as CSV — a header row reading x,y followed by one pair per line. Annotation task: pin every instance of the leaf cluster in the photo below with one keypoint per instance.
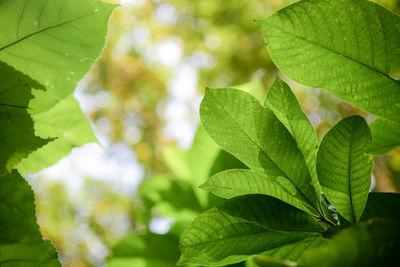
x,y
292,203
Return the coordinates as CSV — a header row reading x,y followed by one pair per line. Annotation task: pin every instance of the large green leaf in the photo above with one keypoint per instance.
x,y
386,205
283,103
233,183
252,133
344,168
243,226
65,122
372,243
385,136
54,42
17,135
349,47
21,243
145,250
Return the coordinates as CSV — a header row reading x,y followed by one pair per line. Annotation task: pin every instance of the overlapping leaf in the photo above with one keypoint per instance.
x,y
385,136
233,183
283,103
348,47
253,134
21,243
344,168
65,122
243,226
17,135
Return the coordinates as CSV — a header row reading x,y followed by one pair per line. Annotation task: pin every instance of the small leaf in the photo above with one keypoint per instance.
x,y
21,243
385,136
233,183
17,135
344,168
283,103
240,125
244,226
348,47
372,243
65,122
386,205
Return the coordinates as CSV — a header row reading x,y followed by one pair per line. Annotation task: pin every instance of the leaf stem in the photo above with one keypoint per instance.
x,y
328,221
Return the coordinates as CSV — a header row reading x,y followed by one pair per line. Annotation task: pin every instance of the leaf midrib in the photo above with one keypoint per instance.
x,y
252,141
336,52
43,30
349,173
212,185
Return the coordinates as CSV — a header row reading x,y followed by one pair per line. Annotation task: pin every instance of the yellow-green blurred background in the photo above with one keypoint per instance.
x,y
143,94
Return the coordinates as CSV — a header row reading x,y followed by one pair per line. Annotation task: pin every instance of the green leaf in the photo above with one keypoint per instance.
x,y
385,136
385,205
21,243
244,226
66,122
233,183
372,243
54,42
344,168
146,250
283,103
17,137
348,47
240,125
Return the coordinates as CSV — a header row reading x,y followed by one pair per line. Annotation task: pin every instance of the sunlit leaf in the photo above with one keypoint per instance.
x,y
243,226
283,103
65,122
348,47
54,42
344,168
253,134
21,243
